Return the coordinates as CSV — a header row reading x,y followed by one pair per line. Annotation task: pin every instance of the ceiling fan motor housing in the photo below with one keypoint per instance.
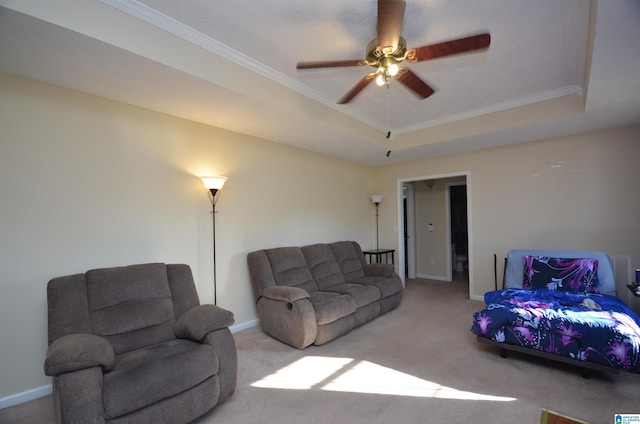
x,y
376,53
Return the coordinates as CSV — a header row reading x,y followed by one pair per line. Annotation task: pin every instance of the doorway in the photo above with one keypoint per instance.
x,y
458,230
454,246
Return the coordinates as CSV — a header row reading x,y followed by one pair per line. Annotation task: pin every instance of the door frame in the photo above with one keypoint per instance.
x,y
410,254
402,255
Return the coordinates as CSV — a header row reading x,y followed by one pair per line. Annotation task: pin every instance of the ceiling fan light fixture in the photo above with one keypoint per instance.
x,y
381,79
392,70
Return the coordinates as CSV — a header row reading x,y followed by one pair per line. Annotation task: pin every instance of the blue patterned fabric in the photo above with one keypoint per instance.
x,y
562,274
560,323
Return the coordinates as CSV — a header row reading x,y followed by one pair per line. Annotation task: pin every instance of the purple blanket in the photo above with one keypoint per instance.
x,y
594,327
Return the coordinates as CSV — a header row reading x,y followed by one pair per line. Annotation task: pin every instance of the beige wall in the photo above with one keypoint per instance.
x,y
86,182
519,201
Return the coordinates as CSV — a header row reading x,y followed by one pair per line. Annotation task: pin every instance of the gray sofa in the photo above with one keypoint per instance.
x,y
132,344
313,294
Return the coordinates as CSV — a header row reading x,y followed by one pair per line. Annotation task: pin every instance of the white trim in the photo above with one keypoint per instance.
x,y
434,277
26,396
244,326
411,229
447,236
470,261
511,104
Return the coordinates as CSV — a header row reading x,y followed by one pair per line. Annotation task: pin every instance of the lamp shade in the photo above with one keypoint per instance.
x,y
213,183
377,198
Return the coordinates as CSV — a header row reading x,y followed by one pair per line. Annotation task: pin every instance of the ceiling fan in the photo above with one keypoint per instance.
x,y
389,49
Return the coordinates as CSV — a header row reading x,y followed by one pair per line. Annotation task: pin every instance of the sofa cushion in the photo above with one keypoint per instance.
x,y
330,307
323,265
362,294
387,286
289,268
131,305
350,259
151,374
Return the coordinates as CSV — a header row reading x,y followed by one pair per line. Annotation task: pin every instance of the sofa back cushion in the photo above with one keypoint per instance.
x,y
183,288
68,311
131,306
323,265
289,268
350,258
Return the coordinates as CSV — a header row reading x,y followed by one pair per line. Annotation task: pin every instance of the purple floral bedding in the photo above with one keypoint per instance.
x,y
589,327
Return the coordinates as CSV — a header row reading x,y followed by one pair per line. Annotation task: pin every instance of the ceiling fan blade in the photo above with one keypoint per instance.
x,y
330,64
390,16
447,48
357,88
421,89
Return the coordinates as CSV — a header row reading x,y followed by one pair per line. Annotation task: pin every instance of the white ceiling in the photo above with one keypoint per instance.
x,y
554,68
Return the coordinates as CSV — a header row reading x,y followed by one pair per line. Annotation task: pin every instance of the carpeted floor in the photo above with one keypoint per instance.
x,y
416,364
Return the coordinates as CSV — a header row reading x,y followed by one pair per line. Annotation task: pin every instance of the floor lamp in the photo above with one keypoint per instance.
x,y
377,199
214,184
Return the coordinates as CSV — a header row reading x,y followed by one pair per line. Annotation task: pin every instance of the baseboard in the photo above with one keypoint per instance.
x,y
38,392
244,326
434,277
26,396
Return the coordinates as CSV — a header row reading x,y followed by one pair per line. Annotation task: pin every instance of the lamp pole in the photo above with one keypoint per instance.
x,y
213,184
377,199
215,268
377,245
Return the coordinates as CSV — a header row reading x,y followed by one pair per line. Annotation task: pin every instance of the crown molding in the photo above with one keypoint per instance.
x,y
498,107
191,35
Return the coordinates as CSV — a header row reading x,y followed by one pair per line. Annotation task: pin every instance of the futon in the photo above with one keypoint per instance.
x,y
561,305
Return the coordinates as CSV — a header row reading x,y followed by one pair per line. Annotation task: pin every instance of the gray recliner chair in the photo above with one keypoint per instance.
x,y
133,344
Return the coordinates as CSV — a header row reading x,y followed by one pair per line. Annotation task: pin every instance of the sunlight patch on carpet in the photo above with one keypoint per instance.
x,y
351,375
303,374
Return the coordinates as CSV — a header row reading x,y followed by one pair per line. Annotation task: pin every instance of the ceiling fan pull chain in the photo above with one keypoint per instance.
x,y
388,121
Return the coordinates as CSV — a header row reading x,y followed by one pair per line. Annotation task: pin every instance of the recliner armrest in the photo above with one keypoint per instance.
x,y
201,320
379,270
285,293
75,352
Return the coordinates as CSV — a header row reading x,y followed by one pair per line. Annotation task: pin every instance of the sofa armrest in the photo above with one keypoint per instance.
x,y
288,315
75,352
379,270
223,343
285,293
201,320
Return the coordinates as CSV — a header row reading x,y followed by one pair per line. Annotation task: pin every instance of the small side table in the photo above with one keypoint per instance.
x,y
378,253
634,289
